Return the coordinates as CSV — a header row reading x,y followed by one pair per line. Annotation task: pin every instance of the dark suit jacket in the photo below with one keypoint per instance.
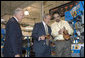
x,y
39,30
13,42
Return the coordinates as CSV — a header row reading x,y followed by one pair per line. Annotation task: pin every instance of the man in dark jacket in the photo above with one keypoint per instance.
x,y
41,44
13,41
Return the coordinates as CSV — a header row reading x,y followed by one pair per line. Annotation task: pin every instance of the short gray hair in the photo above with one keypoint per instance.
x,y
17,10
46,15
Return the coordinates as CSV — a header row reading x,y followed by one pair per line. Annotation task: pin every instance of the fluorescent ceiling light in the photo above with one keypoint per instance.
x,y
26,12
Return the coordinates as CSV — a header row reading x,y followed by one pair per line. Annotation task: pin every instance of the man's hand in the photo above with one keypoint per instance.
x,y
42,37
17,55
60,31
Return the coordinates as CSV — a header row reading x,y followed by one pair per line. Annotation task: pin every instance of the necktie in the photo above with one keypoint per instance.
x,y
46,31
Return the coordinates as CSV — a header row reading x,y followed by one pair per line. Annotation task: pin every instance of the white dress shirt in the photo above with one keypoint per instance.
x,y
15,18
46,27
56,26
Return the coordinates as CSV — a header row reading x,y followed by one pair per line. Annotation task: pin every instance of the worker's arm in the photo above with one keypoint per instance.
x,y
68,28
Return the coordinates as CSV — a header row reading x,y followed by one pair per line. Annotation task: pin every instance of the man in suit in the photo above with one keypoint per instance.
x,y
41,44
13,41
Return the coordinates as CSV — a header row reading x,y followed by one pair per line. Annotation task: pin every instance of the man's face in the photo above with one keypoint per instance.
x,y
47,19
20,15
57,17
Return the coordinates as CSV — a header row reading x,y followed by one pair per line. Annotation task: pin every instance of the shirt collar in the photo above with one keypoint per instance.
x,y
43,23
15,18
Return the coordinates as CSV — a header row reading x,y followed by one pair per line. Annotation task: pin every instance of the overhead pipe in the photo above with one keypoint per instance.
x,y
42,11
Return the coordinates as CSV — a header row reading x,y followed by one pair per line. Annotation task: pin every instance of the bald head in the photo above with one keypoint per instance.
x,y
19,14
